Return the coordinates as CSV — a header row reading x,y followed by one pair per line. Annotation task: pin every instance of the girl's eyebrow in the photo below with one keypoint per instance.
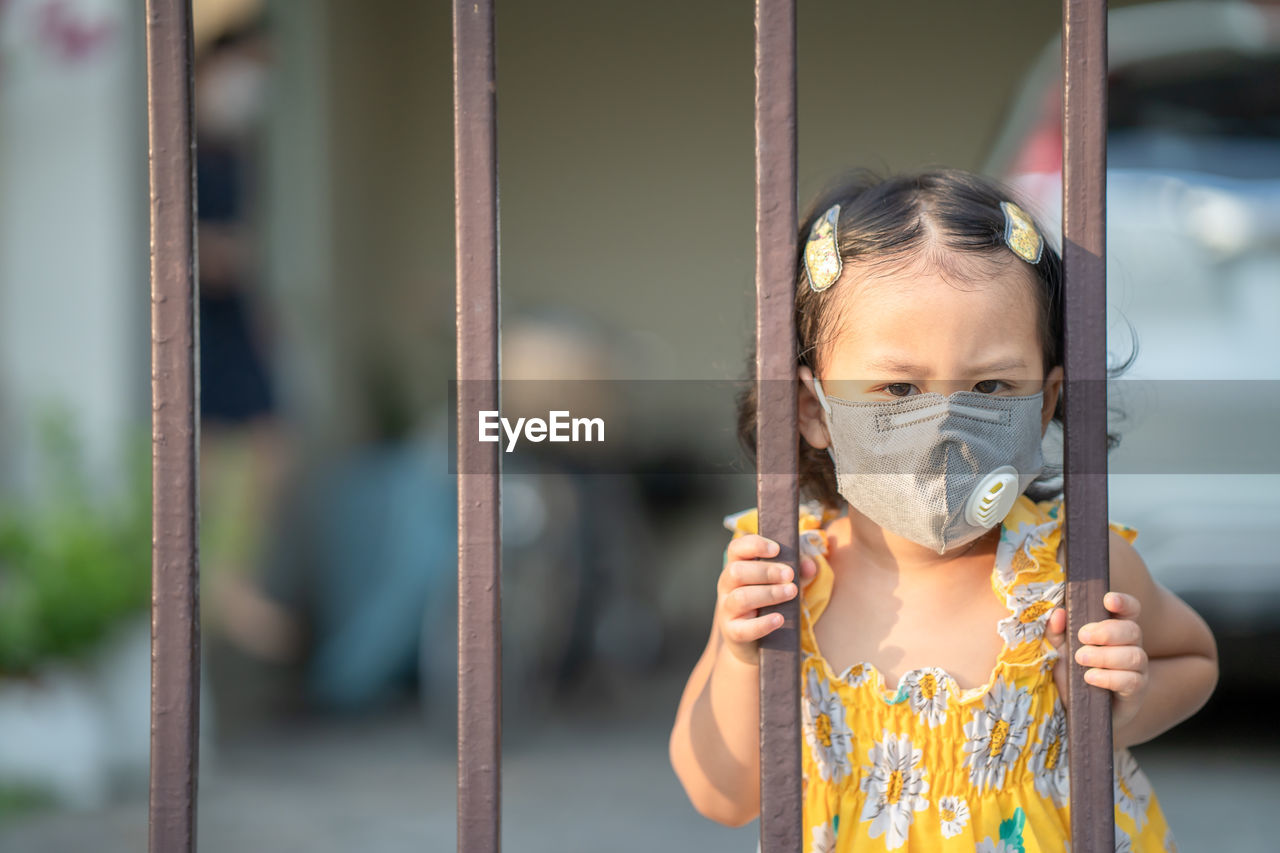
x,y
893,365
889,364
1000,365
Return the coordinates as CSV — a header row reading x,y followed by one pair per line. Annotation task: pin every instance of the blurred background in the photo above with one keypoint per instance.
x,y
328,543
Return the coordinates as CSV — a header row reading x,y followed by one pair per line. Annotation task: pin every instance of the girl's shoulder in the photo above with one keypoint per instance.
x,y
1028,548
1030,537
1042,516
813,519
1032,529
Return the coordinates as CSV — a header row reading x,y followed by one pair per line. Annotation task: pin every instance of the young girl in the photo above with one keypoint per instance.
x,y
929,317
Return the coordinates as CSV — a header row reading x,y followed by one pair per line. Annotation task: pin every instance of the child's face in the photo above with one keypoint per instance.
x,y
906,332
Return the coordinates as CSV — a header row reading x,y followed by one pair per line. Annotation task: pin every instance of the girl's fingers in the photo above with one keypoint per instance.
x,y
746,572
1122,605
746,630
1055,632
1112,632
1119,681
746,598
1130,658
808,568
751,546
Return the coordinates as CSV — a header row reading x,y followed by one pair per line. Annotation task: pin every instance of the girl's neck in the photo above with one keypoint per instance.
x,y
872,545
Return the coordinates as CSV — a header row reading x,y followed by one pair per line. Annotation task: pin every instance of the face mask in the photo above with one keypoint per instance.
x,y
937,470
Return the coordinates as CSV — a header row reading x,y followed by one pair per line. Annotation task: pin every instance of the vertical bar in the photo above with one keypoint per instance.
x,y
175,564
777,454
1084,172
479,466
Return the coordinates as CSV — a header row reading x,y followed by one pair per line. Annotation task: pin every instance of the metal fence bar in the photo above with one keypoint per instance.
x,y
1084,171
777,495
175,563
479,465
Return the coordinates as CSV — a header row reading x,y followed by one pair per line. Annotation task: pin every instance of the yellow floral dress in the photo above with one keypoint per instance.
x,y
931,767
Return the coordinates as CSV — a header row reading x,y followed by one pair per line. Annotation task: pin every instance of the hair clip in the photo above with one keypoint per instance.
x,y
822,253
1020,233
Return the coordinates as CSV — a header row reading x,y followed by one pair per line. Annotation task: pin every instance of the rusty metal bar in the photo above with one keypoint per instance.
x,y
479,465
777,494
1084,172
175,424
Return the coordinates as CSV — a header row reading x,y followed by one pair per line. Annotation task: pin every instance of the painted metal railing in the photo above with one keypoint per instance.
x,y
175,622
777,494
479,465
175,425
1084,231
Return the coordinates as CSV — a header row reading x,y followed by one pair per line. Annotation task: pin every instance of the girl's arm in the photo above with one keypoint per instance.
x,y
1156,654
715,742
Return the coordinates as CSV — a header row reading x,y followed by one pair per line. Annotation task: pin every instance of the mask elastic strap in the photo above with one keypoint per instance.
x,y
822,398
826,407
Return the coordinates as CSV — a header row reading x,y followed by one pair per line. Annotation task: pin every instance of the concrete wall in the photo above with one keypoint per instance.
x,y
74,303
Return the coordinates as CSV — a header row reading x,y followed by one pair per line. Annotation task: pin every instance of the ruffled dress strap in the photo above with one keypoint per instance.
x,y
1128,533
1030,576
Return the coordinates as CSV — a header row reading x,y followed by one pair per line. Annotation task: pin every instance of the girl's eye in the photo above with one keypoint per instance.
x,y
899,389
988,386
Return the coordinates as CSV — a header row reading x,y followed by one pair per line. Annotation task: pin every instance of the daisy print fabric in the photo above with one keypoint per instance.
x,y
928,691
996,734
826,731
923,765
1031,605
895,789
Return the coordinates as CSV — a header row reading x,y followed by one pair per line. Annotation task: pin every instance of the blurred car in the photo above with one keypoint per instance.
x,y
1193,268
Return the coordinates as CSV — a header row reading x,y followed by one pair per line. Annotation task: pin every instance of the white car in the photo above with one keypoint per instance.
x,y
1193,267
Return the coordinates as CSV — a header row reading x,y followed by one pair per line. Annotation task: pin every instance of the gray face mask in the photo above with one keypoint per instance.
x,y
937,470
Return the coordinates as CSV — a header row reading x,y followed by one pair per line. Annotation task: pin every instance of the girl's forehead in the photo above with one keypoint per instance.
x,y
976,285
930,270
923,312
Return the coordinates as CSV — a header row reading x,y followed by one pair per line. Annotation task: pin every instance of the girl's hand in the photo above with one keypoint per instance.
x,y
1113,651
748,583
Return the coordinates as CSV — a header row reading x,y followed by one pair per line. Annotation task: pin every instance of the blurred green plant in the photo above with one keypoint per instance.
x,y
23,800
72,565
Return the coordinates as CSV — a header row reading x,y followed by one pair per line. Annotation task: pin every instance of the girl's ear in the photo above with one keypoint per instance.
x,y
811,424
1052,391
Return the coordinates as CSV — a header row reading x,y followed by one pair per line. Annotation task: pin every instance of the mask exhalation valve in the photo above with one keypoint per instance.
x,y
993,498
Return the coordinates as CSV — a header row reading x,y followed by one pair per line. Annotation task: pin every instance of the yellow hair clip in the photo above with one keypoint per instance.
x,y
1020,233
822,253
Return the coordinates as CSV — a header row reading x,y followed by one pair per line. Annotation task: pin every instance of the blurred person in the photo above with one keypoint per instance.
x,y
245,445
932,520
372,552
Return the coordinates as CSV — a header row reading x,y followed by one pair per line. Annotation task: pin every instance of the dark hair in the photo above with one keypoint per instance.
x,y
952,221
